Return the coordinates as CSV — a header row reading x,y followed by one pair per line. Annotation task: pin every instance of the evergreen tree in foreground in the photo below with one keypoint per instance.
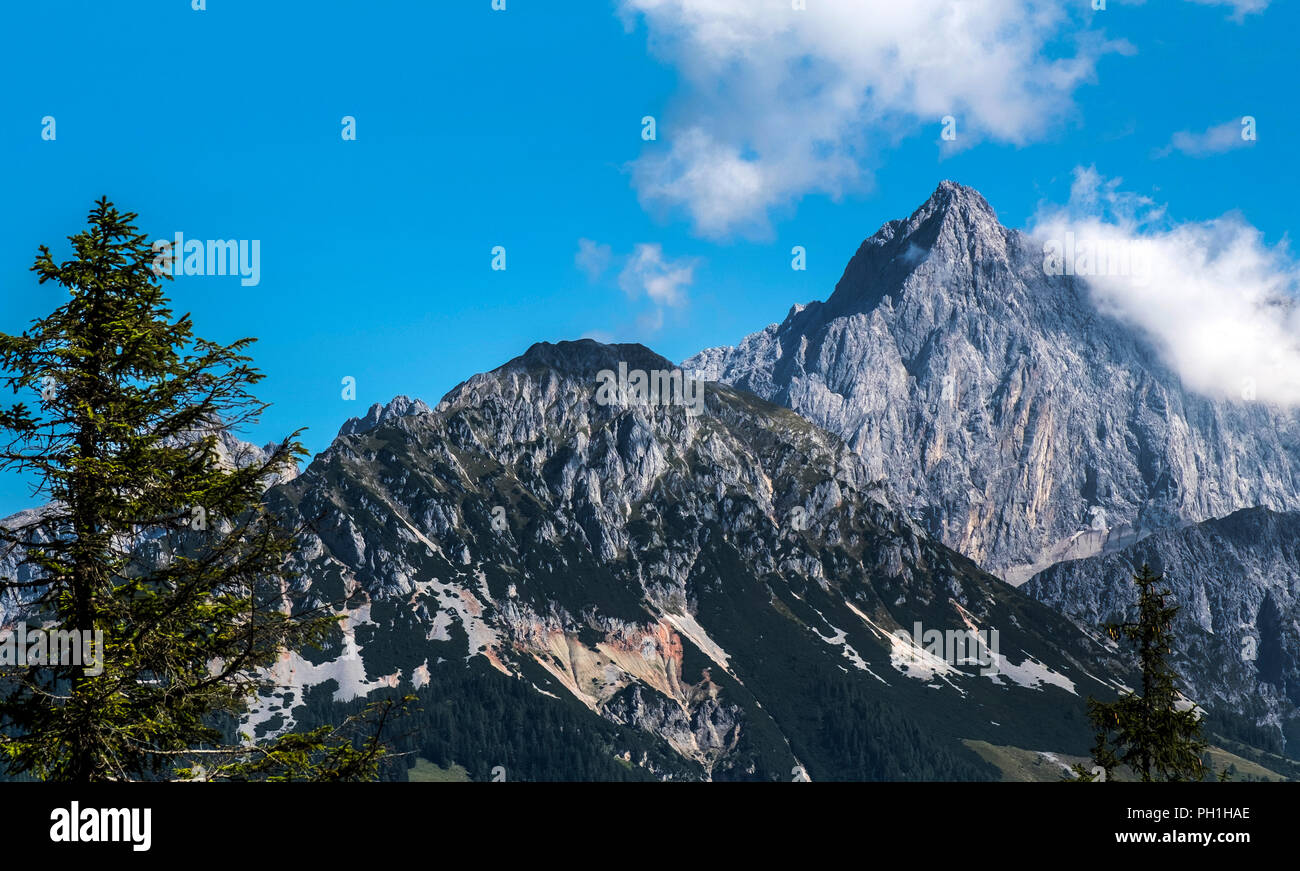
x,y
1146,731
149,536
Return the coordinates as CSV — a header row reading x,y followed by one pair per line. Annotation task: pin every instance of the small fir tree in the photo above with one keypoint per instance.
x,y
1147,731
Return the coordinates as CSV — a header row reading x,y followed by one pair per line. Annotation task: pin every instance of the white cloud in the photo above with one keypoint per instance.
x,y
1092,194
781,102
1216,140
1240,8
645,275
647,272
1222,304
593,258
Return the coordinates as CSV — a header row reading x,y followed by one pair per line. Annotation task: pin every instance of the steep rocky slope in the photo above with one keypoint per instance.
x,y
724,589
1018,424
1237,582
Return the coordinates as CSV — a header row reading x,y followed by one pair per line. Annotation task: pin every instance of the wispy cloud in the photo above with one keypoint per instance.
x,y
645,275
1240,8
593,258
1222,304
648,273
781,102
1216,140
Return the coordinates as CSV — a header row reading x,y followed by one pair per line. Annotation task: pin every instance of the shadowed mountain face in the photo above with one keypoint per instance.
x,y
697,595
1237,582
1019,426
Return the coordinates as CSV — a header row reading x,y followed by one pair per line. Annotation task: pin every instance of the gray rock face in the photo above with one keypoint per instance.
x,y
702,727
1236,581
231,452
1016,422
396,407
708,579
14,567
238,454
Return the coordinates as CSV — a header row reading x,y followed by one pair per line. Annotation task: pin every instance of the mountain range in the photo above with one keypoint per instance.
x,y
731,588
956,447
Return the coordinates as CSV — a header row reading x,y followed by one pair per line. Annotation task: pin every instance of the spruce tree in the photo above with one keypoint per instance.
x,y
1146,731
150,533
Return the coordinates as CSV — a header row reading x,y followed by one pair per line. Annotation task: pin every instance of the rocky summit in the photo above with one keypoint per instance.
x,y
1018,423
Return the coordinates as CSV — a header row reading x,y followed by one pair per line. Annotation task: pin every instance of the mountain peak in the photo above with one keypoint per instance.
x,y
949,190
587,356
950,201
956,221
398,406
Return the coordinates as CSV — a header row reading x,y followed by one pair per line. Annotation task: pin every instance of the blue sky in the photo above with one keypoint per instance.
x,y
523,128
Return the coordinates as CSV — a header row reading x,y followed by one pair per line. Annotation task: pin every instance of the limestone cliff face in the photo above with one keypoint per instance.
x,y
1018,424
